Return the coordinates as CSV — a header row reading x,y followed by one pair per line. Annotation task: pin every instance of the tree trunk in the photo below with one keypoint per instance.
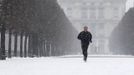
x,y
44,53
46,48
35,45
9,44
21,44
50,49
41,48
2,51
30,49
25,46
15,44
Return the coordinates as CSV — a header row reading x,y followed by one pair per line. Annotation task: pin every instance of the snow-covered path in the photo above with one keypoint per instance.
x,y
67,66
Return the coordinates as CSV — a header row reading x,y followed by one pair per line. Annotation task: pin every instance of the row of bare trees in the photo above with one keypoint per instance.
x,y
39,21
26,47
121,40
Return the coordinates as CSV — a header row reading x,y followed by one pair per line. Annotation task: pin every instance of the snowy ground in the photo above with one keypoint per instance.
x,y
68,65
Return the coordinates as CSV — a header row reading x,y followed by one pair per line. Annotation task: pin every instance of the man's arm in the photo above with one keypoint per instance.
x,y
79,36
90,37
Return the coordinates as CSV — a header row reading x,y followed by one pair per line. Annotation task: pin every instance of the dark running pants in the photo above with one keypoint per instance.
x,y
84,49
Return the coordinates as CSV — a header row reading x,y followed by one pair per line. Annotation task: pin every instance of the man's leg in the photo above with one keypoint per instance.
x,y
86,53
84,49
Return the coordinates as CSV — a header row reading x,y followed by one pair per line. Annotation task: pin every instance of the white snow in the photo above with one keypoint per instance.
x,y
67,66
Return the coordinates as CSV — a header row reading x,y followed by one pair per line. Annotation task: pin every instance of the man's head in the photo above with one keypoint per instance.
x,y
85,28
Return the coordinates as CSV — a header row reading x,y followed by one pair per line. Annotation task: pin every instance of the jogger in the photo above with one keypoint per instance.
x,y
86,38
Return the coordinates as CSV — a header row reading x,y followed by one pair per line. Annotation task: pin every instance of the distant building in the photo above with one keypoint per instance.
x,y
129,4
100,15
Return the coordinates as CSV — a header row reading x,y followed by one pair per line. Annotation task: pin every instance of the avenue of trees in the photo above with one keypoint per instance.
x,y
41,22
122,38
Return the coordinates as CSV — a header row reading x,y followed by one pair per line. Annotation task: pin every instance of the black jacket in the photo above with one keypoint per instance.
x,y
85,37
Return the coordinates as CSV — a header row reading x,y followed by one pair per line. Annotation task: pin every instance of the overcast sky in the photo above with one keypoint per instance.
x,y
129,4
